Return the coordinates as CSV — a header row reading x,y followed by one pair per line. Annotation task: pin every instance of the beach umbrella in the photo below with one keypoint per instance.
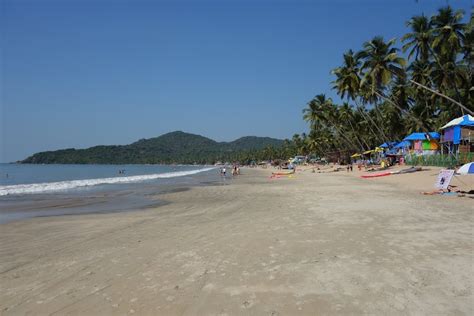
x,y
402,144
467,168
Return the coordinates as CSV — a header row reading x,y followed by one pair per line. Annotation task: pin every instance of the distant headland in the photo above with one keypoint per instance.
x,y
175,147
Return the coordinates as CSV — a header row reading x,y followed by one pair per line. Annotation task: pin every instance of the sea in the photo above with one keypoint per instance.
x,y
30,190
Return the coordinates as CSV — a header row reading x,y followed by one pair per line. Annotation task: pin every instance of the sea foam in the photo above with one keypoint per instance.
x,y
67,185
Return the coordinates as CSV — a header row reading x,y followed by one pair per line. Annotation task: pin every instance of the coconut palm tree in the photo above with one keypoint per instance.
x,y
449,38
380,62
348,76
401,93
382,65
419,40
424,105
448,33
346,115
348,83
323,112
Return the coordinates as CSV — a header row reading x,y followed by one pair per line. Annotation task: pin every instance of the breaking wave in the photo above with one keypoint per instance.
x,y
67,185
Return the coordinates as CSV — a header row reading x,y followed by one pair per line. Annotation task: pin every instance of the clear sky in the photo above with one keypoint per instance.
x,y
82,73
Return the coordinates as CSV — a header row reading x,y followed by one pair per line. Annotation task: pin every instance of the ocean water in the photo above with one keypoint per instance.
x,y
28,179
28,191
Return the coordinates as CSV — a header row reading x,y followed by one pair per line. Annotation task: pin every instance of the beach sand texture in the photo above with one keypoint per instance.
x,y
315,243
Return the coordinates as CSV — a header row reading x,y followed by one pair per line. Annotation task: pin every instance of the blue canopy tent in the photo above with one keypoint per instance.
x,y
422,136
402,144
388,145
398,149
393,152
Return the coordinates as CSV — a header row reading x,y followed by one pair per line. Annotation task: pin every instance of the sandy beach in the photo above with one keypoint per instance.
x,y
313,243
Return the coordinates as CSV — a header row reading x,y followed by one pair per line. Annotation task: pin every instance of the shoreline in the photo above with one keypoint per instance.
x,y
313,243
125,197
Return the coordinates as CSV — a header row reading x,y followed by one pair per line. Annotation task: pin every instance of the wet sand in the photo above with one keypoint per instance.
x,y
310,244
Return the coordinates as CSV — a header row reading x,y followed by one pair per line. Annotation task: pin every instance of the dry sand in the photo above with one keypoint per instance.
x,y
310,244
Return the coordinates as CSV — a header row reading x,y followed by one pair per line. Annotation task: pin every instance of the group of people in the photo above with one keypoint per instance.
x,y
235,170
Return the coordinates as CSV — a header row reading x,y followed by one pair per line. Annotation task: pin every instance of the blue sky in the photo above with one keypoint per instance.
x,y
82,73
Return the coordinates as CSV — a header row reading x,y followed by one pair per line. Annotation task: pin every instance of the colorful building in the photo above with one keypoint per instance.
x,y
458,136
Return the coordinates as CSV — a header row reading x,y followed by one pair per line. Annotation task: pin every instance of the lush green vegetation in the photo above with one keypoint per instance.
x,y
175,147
388,95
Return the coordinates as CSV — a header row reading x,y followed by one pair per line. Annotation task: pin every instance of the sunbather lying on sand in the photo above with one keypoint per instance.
x,y
451,189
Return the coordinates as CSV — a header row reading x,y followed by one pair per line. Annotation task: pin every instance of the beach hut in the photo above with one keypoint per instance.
x,y
458,136
424,143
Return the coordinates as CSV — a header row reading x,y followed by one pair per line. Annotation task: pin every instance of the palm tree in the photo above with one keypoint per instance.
x,y
401,93
448,33
323,112
419,40
348,82
469,43
347,76
425,105
449,40
380,63
346,115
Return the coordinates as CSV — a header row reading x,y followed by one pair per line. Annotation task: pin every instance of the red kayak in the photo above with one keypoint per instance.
x,y
383,174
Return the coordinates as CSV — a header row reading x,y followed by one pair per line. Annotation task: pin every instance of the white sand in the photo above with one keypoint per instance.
x,y
310,244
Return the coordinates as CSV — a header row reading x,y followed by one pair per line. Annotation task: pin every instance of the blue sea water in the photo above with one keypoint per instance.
x,y
28,179
28,191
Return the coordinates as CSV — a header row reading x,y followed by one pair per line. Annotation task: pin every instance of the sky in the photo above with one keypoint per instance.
x,y
83,73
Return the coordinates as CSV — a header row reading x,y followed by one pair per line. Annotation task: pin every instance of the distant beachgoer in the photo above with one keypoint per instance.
x,y
223,171
351,167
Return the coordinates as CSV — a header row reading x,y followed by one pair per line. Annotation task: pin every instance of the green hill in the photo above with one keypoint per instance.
x,y
175,147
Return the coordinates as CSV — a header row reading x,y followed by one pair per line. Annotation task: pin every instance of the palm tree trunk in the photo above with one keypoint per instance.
x,y
356,136
375,124
368,120
401,109
463,107
339,132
